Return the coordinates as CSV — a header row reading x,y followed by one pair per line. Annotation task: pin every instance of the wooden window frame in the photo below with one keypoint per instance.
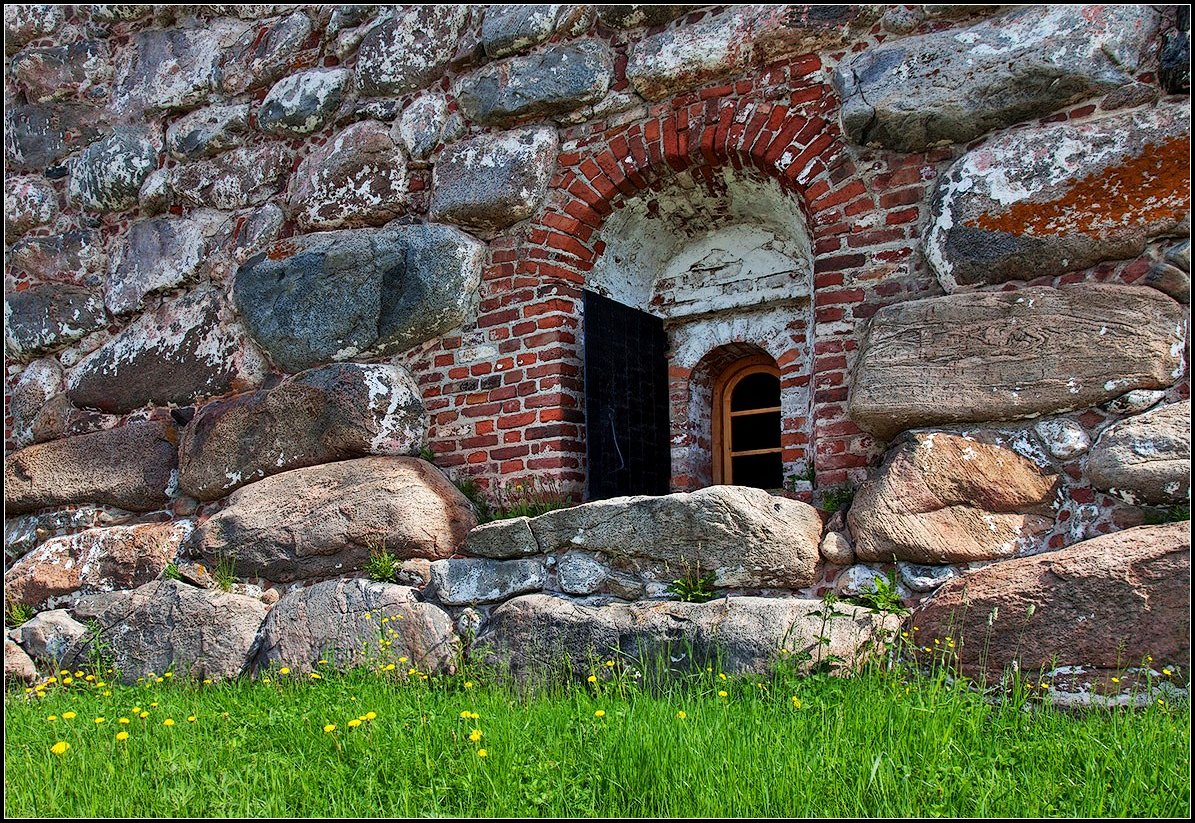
x,y
723,391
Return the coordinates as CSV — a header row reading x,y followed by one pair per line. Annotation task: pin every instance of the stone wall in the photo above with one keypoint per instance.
x,y
244,243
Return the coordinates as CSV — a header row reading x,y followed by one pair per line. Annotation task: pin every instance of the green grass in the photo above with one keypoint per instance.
x,y
873,745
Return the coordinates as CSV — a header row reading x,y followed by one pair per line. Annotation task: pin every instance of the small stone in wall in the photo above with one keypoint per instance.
x,y
502,539
494,180
182,352
923,579
1134,402
208,131
170,69
40,381
107,176
59,418
359,178
156,194
633,16
579,573
508,30
157,254
254,232
426,124
553,81
38,136
1170,280
129,467
410,49
23,533
1147,458
1180,255
29,202
57,72
74,257
47,317
305,102
26,23
471,581
1063,439
18,668
246,176
263,54
836,549
857,580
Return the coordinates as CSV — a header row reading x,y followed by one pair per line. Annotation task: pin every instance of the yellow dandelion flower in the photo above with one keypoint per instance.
x,y
265,680
68,715
60,747
721,675
90,678
153,705
331,727
796,702
475,735
207,681
609,664
78,674
592,678
52,680
468,684
412,672
143,715
124,721
1167,672
122,735
284,670
599,713
681,715
389,667
385,620
66,681
136,710
323,662
464,715
722,694
1115,679
167,722
190,718
168,674
402,659
107,693
354,723
316,676
482,753
159,680
367,616
99,720
64,671
474,716
52,717
371,715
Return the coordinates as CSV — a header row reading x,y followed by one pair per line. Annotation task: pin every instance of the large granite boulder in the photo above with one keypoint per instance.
x,y
157,254
129,467
945,498
45,318
410,48
57,72
243,177
469,581
171,69
1146,459
536,634
38,136
184,351
18,667
75,257
953,86
320,416
555,80
39,381
331,296
208,131
49,636
107,176
747,537
357,622
986,356
493,181
1018,207
167,625
507,30
305,102
263,53
359,178
1108,603
327,520
62,569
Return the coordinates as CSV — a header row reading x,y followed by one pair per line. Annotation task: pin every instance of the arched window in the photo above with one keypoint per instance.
x,y
747,424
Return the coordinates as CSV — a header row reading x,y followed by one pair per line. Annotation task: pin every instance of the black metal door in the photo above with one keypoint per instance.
x,y
626,400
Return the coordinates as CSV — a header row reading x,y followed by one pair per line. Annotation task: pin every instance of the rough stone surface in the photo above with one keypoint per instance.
x,y
38,136
471,582
953,86
171,69
1170,280
945,498
73,257
26,23
17,665
260,228
857,580
328,621
331,296
45,318
29,202
177,354
925,578
1005,355
747,537
23,533
1042,201
305,102
553,81
128,467
493,181
1106,603
62,569
634,16
1179,255
409,49
107,176
56,72
319,416
1146,459
1135,402
49,635
59,418
208,132
579,573
535,634
157,254
502,539
326,520
835,548
358,179
679,59
263,53
1174,59
427,124
246,176
40,381
1063,439
170,626
507,30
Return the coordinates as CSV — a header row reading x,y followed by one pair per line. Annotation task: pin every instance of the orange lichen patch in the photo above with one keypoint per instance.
x,y
282,249
1151,187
